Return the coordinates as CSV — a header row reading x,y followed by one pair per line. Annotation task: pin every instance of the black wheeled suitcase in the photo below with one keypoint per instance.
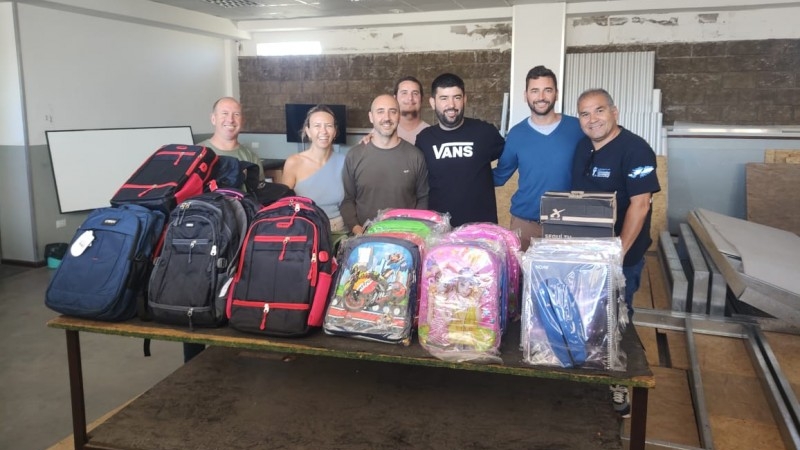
x,y
171,175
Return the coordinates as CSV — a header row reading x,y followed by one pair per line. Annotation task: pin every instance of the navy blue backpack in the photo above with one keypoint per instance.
x,y
107,264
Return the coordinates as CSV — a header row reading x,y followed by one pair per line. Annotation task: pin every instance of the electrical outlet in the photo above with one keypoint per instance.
x,y
254,145
61,223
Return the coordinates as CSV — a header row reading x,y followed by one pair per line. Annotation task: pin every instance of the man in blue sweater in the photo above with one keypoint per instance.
x,y
541,147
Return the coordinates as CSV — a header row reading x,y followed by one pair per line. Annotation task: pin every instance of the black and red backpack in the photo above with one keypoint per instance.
x,y
284,273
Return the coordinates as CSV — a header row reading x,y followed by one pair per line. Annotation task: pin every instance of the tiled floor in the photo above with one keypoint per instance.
x,y
34,398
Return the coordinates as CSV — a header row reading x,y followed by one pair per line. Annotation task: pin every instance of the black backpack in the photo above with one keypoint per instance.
x,y
201,246
268,193
248,201
230,172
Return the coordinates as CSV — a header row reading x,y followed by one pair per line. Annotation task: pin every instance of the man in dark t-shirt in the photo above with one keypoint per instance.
x,y
612,159
459,152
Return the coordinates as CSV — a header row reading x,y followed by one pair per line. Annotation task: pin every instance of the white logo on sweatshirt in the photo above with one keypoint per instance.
x,y
453,150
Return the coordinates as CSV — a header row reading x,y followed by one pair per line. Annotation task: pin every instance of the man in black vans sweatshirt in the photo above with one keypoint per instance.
x,y
459,152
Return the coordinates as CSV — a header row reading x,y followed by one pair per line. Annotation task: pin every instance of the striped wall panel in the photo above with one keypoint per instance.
x,y
629,78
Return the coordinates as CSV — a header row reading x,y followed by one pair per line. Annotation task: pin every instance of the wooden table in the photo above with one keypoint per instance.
x,y
638,376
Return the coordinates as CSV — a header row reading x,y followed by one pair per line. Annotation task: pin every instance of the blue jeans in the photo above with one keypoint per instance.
x,y
633,278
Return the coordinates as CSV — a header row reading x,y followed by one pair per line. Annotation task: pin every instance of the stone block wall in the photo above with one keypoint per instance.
x,y
729,83
267,83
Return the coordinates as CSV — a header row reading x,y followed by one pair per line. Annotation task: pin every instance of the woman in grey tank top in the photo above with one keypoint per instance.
x,y
316,172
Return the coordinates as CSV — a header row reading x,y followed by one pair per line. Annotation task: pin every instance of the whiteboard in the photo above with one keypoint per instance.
x,y
89,166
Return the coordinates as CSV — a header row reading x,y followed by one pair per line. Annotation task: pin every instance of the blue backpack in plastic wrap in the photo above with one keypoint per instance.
x,y
562,323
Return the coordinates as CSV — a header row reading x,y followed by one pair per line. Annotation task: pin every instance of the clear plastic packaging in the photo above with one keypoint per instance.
x,y
573,311
375,292
510,241
420,214
460,314
418,221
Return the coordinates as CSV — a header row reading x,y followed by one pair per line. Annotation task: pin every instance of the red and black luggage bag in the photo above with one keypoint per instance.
x,y
171,175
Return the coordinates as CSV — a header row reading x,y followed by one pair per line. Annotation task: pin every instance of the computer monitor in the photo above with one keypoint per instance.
x,y
296,117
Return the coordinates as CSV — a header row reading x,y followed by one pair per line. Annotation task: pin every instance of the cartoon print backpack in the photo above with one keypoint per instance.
x,y
419,242
511,244
284,273
460,310
375,294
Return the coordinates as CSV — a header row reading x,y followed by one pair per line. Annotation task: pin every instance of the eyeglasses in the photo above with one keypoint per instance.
x,y
587,171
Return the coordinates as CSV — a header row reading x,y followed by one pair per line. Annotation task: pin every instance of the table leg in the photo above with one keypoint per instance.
x,y
76,390
638,418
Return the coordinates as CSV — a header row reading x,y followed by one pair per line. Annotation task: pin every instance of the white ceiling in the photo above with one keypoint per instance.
x,y
241,10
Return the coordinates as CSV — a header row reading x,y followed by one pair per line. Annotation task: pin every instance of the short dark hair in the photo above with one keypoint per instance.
x,y
408,78
446,80
539,72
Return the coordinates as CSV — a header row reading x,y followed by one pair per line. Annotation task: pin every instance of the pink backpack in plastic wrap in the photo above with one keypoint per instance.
x,y
495,233
460,310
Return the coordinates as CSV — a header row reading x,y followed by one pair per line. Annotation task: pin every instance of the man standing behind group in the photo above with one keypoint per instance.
x,y
387,172
459,152
541,147
408,92
227,118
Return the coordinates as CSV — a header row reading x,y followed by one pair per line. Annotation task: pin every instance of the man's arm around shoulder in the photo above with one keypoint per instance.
x,y
348,206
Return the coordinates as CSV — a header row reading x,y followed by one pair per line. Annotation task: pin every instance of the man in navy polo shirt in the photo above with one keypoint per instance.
x,y
612,159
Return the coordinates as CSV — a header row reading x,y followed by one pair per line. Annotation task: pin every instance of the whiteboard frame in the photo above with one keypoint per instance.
x,y
90,165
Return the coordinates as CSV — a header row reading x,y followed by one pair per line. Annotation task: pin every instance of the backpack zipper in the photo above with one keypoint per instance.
x,y
283,240
313,270
267,306
147,187
180,154
215,220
